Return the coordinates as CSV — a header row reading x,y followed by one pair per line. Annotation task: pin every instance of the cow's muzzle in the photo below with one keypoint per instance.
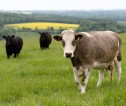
x,y
68,55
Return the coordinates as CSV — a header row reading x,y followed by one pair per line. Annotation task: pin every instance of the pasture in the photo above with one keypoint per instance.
x,y
44,25
45,78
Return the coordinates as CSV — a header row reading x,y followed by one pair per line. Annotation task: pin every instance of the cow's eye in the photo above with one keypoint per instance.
x,y
63,43
73,42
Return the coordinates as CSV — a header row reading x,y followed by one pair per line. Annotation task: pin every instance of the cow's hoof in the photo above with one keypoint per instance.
x,y
98,85
83,92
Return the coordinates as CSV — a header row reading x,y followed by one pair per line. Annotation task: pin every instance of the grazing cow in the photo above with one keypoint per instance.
x,y
13,45
45,40
88,50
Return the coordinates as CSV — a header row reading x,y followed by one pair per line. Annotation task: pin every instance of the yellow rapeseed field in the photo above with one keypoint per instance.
x,y
44,25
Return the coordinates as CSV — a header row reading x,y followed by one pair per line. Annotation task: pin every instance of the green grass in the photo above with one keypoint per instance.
x,y
45,78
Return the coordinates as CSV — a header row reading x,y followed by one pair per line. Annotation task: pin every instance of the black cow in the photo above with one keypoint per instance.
x,y
13,45
45,40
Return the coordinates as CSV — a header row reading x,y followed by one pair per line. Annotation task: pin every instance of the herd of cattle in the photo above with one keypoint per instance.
x,y
87,50
14,43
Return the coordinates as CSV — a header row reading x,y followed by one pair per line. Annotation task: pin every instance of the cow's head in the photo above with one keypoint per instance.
x,y
68,39
8,39
44,35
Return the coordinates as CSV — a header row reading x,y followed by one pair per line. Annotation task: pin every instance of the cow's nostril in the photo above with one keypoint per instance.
x,y
68,55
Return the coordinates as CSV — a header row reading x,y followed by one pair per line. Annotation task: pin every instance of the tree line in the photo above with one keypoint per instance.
x,y
101,25
116,15
61,16
89,24
11,18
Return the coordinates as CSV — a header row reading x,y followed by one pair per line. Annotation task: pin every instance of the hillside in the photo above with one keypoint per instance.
x,y
10,17
116,15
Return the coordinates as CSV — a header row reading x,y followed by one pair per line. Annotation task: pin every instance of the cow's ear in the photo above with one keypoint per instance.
x,y
12,36
4,37
57,38
78,36
47,33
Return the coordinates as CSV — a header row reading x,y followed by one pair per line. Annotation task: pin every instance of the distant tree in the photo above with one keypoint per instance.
x,y
1,26
36,29
60,29
6,31
100,25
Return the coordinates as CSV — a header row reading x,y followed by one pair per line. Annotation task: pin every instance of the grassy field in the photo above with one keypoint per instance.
x,y
44,25
45,78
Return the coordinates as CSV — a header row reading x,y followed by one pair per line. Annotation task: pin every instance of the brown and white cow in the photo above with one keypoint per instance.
x,y
88,50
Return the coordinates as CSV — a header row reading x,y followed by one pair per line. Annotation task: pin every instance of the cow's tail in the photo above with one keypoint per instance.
x,y
119,56
118,61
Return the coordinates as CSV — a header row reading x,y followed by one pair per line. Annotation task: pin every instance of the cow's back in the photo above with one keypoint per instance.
x,y
17,44
100,46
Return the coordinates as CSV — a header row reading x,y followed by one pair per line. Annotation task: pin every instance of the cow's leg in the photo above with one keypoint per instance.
x,y
8,56
84,83
110,74
110,69
14,55
118,68
101,76
76,78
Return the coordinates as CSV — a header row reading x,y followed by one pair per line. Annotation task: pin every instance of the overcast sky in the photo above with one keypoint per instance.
x,y
62,4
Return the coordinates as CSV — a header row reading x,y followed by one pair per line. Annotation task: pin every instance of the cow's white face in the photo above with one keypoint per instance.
x,y
68,39
68,42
